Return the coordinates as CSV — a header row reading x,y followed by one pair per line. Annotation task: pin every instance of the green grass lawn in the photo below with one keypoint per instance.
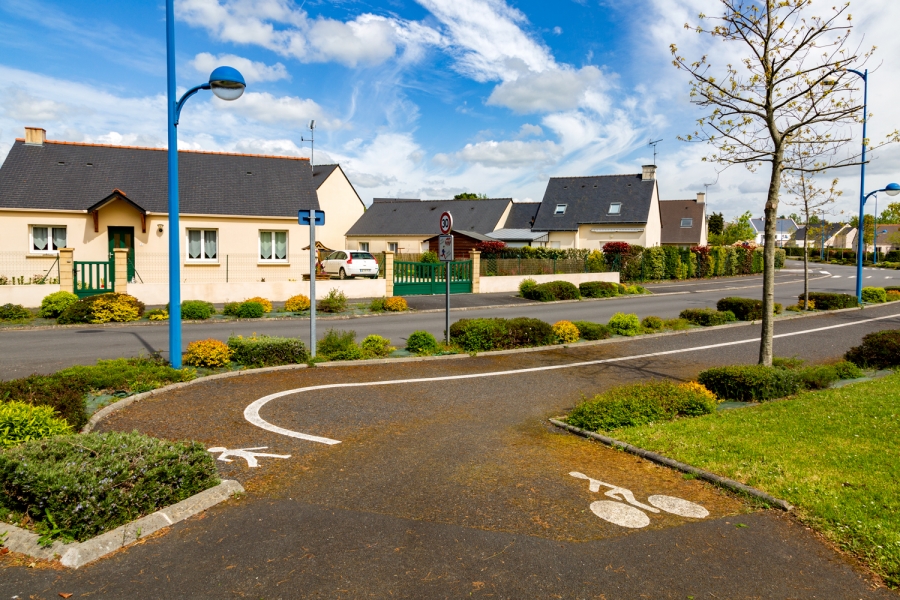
x,y
834,454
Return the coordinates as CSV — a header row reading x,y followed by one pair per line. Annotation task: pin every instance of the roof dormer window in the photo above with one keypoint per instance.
x,y
615,208
687,222
560,209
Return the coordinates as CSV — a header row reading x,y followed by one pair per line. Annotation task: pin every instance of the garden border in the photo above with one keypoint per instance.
x,y
725,482
78,554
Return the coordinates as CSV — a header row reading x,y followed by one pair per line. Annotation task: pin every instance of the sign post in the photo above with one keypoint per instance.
x,y
312,218
445,253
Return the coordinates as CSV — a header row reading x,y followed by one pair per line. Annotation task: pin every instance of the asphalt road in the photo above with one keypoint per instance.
x,y
23,352
452,488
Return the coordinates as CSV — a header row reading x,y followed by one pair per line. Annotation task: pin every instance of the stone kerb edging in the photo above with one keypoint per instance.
x,y
78,554
731,484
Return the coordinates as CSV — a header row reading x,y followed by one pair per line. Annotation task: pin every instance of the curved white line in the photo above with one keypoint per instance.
x,y
251,413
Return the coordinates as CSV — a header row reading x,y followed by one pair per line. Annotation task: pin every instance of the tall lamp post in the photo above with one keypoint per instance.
x,y
227,84
892,189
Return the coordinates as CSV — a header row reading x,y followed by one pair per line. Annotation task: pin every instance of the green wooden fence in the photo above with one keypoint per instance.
x,y
94,277
418,279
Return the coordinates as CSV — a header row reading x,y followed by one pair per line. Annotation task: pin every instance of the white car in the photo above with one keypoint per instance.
x,y
350,263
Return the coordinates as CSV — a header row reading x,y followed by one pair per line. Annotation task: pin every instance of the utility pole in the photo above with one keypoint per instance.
x,y
654,143
312,142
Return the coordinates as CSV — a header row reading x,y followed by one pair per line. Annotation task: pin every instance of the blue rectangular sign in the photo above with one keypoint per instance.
x,y
303,217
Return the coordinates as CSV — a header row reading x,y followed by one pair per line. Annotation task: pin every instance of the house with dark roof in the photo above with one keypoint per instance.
x,y
94,197
784,230
683,222
588,212
834,235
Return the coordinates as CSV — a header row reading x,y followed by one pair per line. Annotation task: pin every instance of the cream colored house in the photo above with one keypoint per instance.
x,y
238,212
588,212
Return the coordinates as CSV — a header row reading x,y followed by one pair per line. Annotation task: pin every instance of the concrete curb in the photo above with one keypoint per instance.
x,y
78,554
730,484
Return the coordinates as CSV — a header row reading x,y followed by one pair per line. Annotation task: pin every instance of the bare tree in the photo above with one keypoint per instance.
x,y
791,87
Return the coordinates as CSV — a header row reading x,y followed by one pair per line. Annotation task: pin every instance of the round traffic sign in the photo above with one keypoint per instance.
x,y
446,222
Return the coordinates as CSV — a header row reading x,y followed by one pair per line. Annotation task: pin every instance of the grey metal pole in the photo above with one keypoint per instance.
x,y
447,315
312,284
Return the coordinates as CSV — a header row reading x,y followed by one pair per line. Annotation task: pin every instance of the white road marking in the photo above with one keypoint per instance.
x,y
246,454
620,514
251,413
835,276
868,277
677,506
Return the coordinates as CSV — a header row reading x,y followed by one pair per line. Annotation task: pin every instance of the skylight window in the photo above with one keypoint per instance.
x,y
687,222
560,209
615,208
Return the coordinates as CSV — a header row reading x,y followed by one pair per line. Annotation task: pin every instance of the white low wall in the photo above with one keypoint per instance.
x,y
490,285
29,296
277,291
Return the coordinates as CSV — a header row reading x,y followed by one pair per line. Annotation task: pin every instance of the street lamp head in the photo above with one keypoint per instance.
x,y
892,189
228,84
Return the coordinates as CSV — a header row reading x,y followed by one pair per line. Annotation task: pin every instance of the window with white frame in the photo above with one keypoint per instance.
x,y
46,239
615,208
364,246
560,209
273,246
392,247
687,222
202,245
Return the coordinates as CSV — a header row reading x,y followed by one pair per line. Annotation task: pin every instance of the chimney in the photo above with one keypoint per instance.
x,y
649,173
35,136
701,197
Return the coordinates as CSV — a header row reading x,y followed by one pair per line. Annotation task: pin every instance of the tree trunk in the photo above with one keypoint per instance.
x,y
806,272
768,308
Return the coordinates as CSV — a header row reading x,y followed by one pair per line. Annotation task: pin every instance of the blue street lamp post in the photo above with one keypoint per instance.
x,y
227,84
892,189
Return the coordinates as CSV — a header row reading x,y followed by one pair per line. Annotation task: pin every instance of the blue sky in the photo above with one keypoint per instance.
x,y
422,98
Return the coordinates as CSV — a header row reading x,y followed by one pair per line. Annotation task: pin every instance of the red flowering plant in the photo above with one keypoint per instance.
x,y
490,247
616,248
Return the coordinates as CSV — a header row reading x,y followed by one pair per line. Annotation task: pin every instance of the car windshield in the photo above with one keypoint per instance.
x,y
362,255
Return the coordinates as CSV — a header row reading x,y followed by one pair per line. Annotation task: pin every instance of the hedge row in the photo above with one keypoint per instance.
x,y
758,383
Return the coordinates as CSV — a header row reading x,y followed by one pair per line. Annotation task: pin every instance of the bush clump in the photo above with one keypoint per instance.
x,y
480,335
297,303
197,310
879,350
267,351
525,332
748,383
592,331
874,295
566,332
652,323
625,324
103,308
339,345
526,286
158,314
831,301
745,309
707,317
250,310
15,312
892,295
54,304
207,353
553,290
598,289
375,346
395,304
77,486
421,342
266,304
642,403
335,301
20,422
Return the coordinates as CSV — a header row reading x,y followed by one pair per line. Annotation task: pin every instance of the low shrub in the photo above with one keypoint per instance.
x,y
197,310
792,362
266,304
525,332
158,314
847,370
526,286
553,290
892,288
874,295
375,346
751,382
480,335
745,309
21,422
598,289
377,304
566,332
231,308
818,377
76,487
879,350
15,312
707,317
430,257
421,342
395,304
207,353
592,331
636,289
250,310
677,324
297,303
831,301
339,345
267,351
642,403
103,308
54,304
335,301
625,324
652,323
892,295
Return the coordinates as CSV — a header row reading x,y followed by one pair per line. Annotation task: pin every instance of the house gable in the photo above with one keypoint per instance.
x,y
589,200
414,218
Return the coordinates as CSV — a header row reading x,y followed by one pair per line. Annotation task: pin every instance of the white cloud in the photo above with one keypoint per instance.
x,y
285,110
551,90
253,71
19,104
528,130
557,30
508,154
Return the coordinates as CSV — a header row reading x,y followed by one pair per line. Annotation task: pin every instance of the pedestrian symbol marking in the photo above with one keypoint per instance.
x,y
246,454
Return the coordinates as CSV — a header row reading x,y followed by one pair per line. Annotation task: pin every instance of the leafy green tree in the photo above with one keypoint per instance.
x,y
891,214
716,224
741,230
470,196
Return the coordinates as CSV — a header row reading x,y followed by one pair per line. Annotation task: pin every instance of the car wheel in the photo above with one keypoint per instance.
x,y
374,277
342,274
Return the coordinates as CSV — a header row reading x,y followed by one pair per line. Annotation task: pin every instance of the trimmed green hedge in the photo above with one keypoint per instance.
x,y
598,289
748,383
874,295
830,301
196,310
707,317
745,309
592,331
552,290
481,335
267,351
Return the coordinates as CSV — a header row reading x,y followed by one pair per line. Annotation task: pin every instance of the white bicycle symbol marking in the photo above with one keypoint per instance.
x,y
630,516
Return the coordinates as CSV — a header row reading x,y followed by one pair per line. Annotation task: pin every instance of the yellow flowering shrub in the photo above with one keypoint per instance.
x,y
698,388
395,304
158,314
207,353
117,308
296,303
566,332
267,305
893,295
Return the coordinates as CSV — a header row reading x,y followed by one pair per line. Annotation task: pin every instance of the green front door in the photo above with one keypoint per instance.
x,y
122,237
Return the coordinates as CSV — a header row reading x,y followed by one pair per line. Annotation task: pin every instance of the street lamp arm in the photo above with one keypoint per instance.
x,y
863,75
180,104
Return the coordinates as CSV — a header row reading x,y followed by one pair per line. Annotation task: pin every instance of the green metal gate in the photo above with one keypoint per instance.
x,y
419,279
94,277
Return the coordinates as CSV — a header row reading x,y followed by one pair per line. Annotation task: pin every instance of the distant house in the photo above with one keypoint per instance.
x,y
888,238
784,229
463,243
835,235
587,212
683,222
517,230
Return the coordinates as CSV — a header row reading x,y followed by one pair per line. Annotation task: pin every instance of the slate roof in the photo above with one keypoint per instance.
x,y
471,234
832,230
782,225
588,200
74,176
521,215
393,216
670,214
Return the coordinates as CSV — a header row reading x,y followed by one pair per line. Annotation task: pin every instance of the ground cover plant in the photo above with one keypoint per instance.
x,y
54,304
15,313
267,351
642,403
707,317
158,314
103,308
822,451
77,486
879,350
20,422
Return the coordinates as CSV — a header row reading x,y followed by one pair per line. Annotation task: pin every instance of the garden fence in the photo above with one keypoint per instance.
x,y
18,269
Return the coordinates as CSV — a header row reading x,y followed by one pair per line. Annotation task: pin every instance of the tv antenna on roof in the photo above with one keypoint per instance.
x,y
654,143
311,140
